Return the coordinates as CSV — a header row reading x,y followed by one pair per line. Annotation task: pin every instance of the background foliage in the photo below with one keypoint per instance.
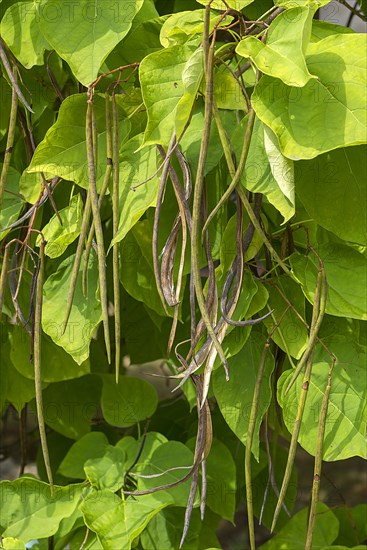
x,y
182,184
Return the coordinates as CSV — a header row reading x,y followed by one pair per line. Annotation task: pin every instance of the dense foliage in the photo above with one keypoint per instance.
x,y
184,182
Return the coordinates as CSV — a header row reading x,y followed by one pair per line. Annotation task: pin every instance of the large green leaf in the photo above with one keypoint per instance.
x,y
346,275
57,236
91,445
135,168
289,32
116,522
85,312
29,510
333,189
293,534
267,171
128,402
235,396
106,472
57,365
345,429
20,30
84,33
69,406
334,101
63,150
162,87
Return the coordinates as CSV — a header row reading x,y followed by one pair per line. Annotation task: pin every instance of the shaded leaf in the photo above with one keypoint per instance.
x,y
332,188
69,406
128,402
57,365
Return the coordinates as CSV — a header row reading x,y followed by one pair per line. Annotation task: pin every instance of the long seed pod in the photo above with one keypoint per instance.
x,y
105,183
318,307
236,174
313,333
116,246
37,333
251,431
199,188
242,194
92,188
4,272
157,215
77,261
10,139
318,461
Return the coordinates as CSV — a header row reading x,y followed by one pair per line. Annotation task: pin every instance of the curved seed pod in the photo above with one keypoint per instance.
x,y
317,315
157,214
92,189
37,333
199,188
106,181
116,246
10,138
